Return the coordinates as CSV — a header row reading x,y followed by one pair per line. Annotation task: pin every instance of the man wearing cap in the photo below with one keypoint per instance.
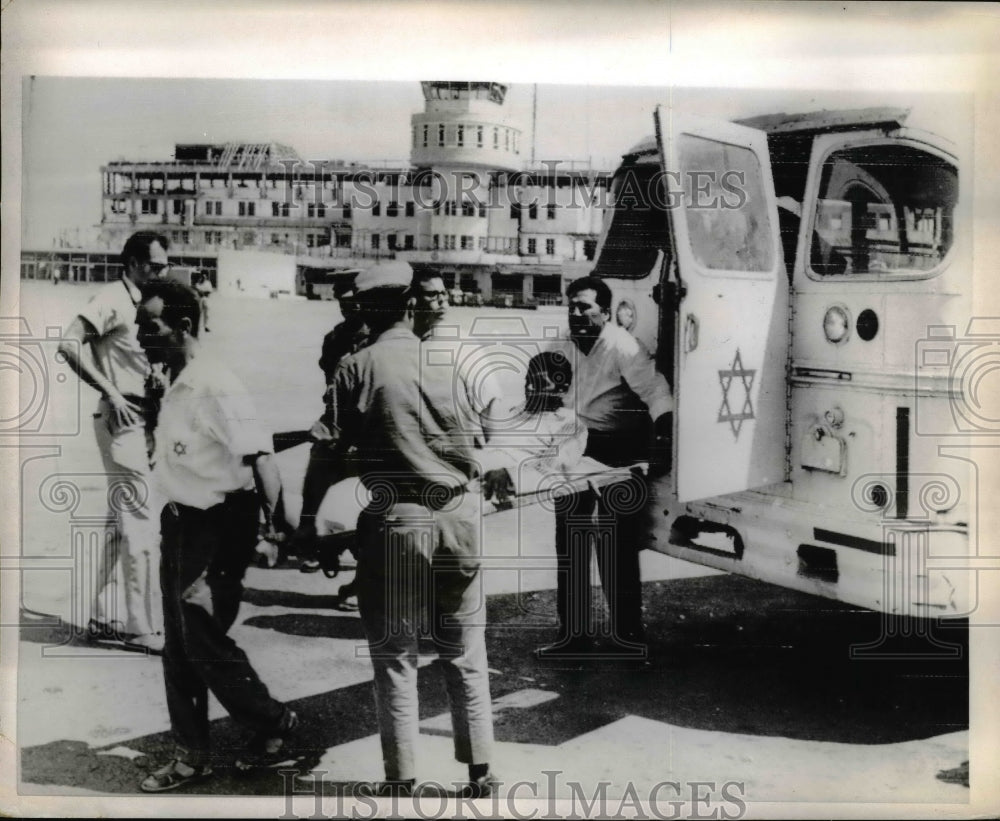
x,y
324,468
118,369
419,536
213,462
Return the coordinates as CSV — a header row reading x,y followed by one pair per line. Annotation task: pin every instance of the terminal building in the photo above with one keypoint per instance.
x,y
469,206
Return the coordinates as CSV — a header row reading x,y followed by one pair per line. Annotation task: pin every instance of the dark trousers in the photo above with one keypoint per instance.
x,y
609,522
324,469
204,556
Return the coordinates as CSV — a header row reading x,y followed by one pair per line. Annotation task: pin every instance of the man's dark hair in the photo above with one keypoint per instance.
x,y
596,284
381,308
137,246
179,302
553,363
424,274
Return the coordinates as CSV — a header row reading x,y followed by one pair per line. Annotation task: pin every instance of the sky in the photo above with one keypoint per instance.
x,y
74,125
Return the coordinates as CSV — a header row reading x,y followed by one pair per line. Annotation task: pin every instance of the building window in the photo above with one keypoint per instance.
x,y
391,242
316,209
347,211
461,135
392,209
449,242
178,206
148,207
550,247
482,210
496,137
532,246
533,211
589,249
479,136
441,135
426,129
468,209
118,206
275,209
249,209
550,210
377,209
409,209
376,241
408,242
467,242
515,210
213,207
449,209
436,241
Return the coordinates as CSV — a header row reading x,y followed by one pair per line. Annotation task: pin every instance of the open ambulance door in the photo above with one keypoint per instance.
x,y
731,345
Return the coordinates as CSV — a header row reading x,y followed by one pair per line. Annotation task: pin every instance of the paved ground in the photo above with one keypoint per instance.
x,y
749,683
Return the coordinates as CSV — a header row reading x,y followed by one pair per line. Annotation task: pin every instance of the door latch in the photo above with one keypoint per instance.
x,y
690,333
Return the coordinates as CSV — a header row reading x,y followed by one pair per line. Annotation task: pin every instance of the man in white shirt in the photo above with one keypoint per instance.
x,y
117,368
622,399
213,462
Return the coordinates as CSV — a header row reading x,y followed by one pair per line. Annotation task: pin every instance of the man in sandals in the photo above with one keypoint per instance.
x,y
213,464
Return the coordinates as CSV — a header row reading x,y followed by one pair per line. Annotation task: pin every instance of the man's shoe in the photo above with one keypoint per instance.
x,y
310,566
576,647
173,775
482,787
388,789
268,749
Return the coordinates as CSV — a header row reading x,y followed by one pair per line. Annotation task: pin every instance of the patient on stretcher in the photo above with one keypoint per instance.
x,y
542,442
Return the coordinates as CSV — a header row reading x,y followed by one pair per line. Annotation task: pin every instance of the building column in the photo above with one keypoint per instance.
x,y
485,281
527,287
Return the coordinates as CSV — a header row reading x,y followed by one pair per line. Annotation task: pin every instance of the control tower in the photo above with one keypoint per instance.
x,y
465,124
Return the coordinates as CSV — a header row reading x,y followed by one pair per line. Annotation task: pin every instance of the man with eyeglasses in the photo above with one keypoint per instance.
x,y
117,368
431,303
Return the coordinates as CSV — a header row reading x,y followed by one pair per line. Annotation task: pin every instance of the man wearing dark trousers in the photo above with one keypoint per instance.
x,y
623,400
325,467
213,464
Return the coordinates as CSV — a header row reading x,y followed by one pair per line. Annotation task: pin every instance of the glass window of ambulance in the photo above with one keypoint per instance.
x,y
635,228
883,210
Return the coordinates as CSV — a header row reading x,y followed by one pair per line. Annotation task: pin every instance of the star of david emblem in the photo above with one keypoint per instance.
x,y
180,448
736,372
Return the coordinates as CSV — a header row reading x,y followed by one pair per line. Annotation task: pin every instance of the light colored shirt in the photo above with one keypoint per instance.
x,y
116,350
411,415
607,381
207,425
474,364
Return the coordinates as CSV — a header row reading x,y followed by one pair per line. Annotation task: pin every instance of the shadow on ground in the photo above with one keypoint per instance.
x,y
728,654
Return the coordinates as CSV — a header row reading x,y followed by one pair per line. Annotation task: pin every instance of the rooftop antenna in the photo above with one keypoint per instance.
x,y
534,113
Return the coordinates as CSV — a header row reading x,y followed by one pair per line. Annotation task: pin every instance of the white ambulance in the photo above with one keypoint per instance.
x,y
803,283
